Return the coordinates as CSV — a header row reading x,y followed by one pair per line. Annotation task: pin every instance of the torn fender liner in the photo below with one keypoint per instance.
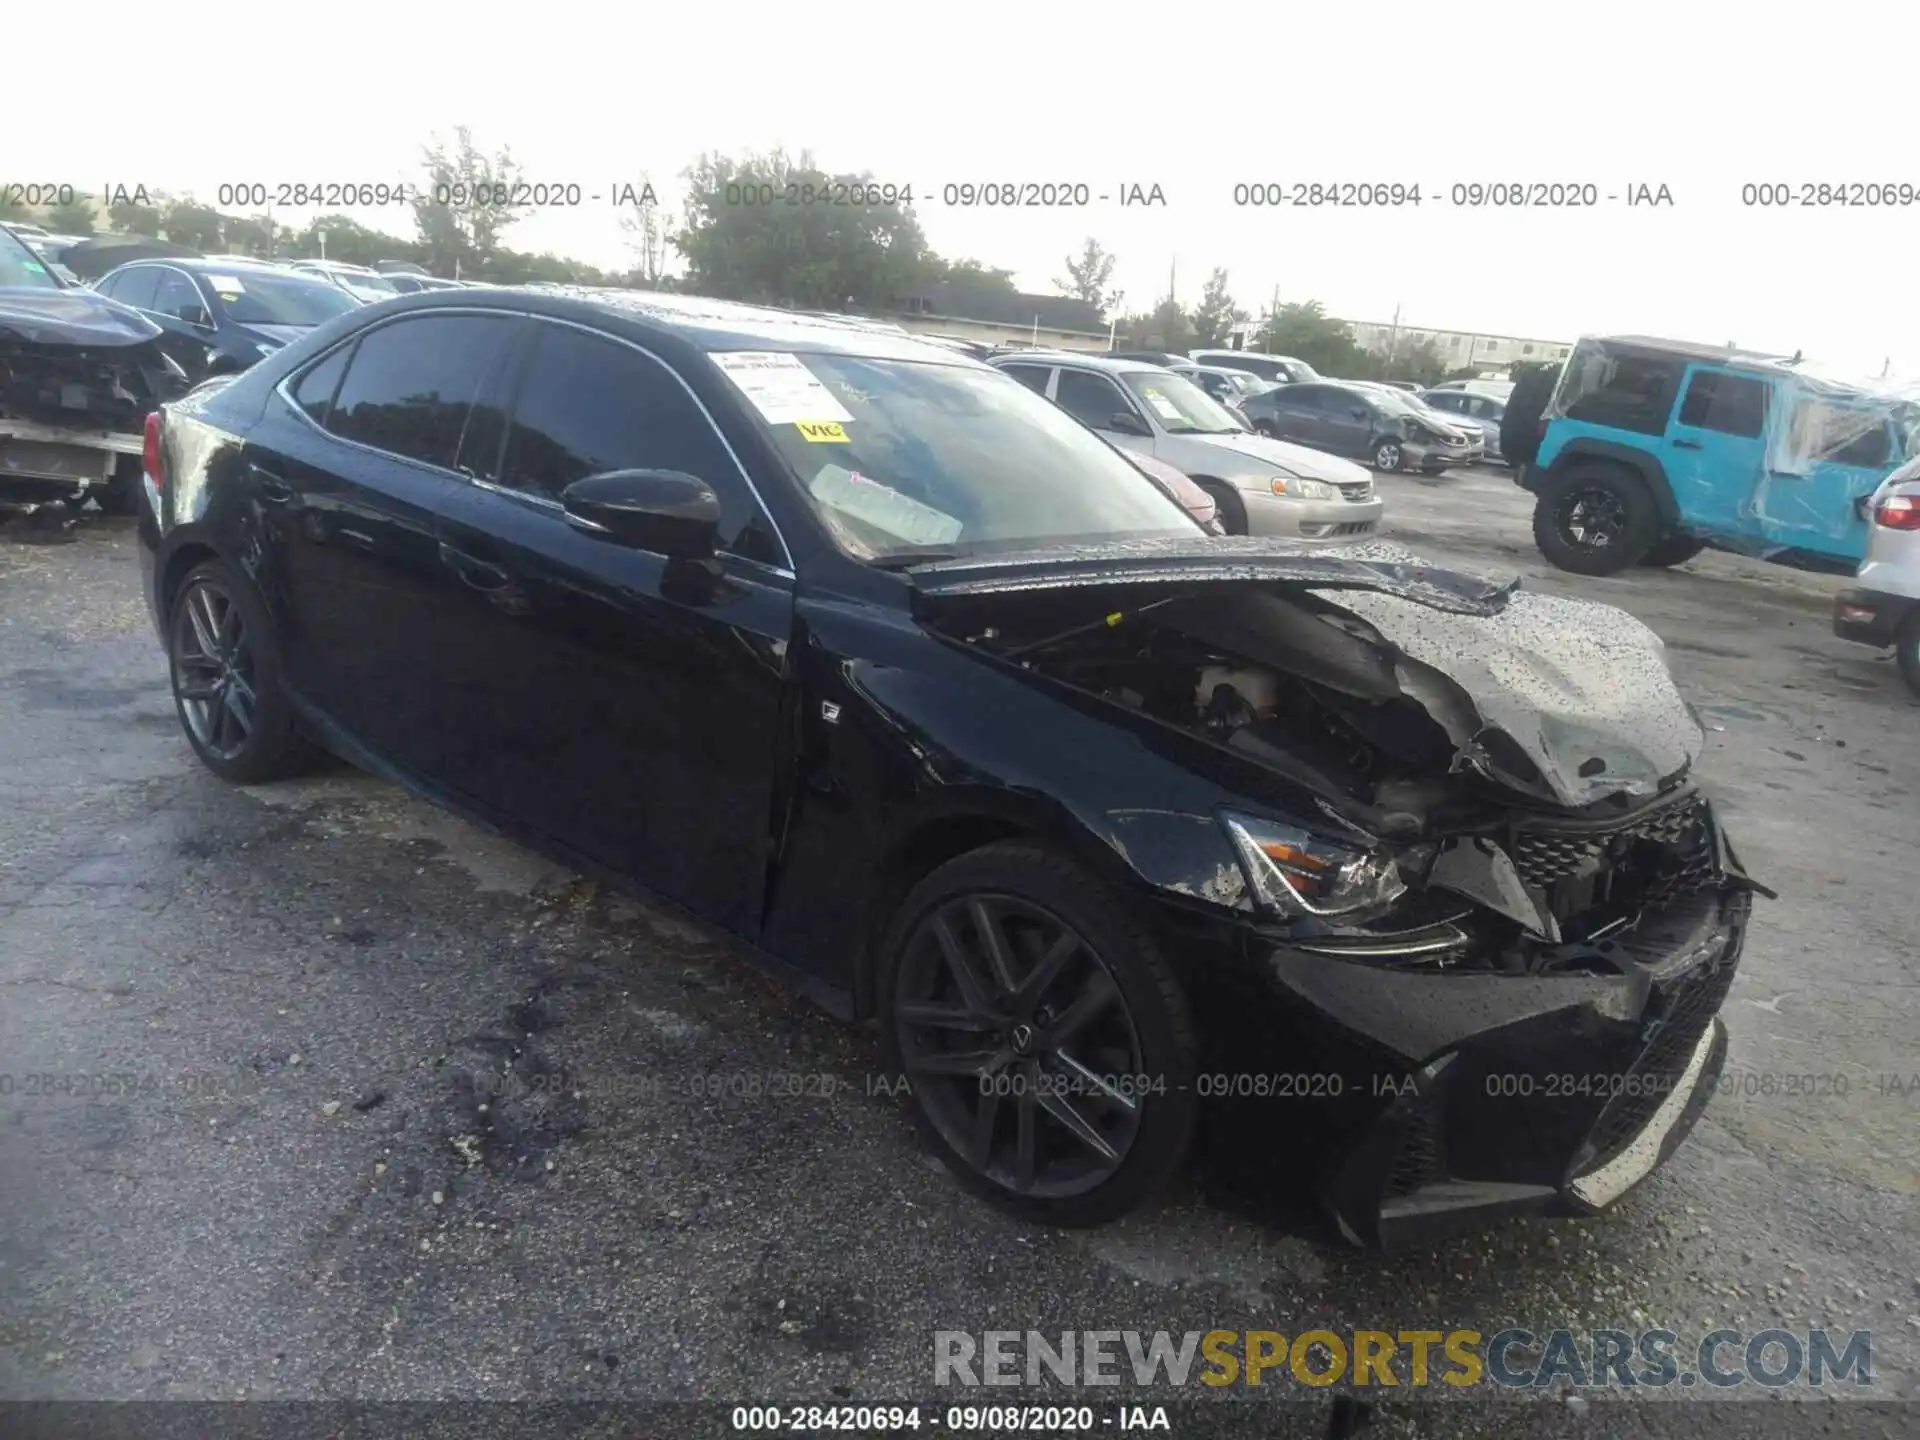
x,y
1582,689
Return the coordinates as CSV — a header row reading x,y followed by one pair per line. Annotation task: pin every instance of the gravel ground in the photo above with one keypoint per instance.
x,y
393,1109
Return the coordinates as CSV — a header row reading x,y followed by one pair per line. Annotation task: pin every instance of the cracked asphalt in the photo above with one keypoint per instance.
x,y
373,1104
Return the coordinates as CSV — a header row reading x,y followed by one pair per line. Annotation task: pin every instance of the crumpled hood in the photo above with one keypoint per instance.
x,y
70,317
1265,454
1581,689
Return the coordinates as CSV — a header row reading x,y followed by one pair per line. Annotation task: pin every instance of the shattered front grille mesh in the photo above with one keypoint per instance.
x,y
1543,855
1693,1002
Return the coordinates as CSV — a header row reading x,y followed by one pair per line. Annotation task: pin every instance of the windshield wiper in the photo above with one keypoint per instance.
x,y
907,559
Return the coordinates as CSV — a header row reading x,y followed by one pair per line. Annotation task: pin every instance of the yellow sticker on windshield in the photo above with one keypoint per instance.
x,y
822,432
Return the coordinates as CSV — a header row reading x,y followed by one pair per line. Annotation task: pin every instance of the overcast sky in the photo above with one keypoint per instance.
x,y
1702,98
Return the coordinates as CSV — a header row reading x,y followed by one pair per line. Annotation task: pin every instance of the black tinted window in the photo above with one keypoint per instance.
x,y
1089,398
177,296
135,287
313,392
1731,404
586,405
411,383
1034,377
1302,397
1620,389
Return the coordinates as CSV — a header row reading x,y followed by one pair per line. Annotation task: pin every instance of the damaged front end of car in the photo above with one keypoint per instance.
x,y
78,376
1484,919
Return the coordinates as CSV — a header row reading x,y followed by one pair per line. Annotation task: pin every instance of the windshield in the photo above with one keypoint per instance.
x,y
1247,383
254,298
20,266
907,458
1181,407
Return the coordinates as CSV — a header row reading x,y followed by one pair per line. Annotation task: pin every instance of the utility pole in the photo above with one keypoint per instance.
x,y
1393,336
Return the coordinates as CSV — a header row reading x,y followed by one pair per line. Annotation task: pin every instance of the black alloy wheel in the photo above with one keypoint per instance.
x,y
1046,1046
1598,520
224,666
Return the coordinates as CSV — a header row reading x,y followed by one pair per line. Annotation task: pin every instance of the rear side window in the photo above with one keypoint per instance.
x,y
411,384
1621,390
1731,404
314,391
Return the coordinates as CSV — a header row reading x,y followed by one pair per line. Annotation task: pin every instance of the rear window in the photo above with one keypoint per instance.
x,y
1623,390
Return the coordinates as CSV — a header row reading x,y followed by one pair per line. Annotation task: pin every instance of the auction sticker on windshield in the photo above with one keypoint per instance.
x,y
780,387
227,284
1162,406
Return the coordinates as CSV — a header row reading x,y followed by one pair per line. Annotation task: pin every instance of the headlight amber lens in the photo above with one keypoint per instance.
x,y
1295,873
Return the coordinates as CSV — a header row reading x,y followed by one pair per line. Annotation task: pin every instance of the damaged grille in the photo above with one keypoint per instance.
x,y
94,390
1678,1016
1545,854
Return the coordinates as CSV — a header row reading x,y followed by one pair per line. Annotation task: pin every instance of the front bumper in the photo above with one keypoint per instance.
x,y
1425,1102
1871,617
1270,514
1434,455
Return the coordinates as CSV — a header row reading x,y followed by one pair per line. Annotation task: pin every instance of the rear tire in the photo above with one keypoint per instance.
x,y
1388,456
1673,550
1595,520
1096,962
223,658
1907,653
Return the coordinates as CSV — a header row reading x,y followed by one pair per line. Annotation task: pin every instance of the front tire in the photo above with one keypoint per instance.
x,y
224,661
1232,509
1907,653
1595,520
1048,1046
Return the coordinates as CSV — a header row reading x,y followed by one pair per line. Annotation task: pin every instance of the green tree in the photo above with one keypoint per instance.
x,y
187,222
75,217
1216,314
250,234
466,229
1306,332
13,207
970,272
130,217
1168,328
811,257
1088,276
350,241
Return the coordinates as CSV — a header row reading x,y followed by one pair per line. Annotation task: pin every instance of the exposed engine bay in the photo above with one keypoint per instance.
x,y
110,388
1397,751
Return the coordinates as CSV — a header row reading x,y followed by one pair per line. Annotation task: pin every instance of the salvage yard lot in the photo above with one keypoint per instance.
x,y
311,991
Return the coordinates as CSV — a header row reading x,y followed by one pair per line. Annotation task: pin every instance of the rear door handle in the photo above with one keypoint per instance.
x,y
1686,444
474,571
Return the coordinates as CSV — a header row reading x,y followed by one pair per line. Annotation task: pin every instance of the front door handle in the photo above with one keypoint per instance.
x,y
474,571
1686,444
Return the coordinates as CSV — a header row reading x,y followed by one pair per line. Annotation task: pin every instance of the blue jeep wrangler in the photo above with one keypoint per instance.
x,y
1649,451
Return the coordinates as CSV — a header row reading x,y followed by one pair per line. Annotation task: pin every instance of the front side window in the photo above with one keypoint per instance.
x,y
897,457
176,297
586,404
1091,399
411,383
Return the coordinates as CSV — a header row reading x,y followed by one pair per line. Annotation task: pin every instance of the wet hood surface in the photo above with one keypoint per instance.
x,y
70,317
1582,688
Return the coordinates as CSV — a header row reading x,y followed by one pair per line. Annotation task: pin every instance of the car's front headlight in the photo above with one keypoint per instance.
x,y
1296,488
1294,873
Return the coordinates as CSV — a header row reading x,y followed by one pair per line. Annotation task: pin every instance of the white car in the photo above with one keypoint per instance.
x,y
1261,486
363,282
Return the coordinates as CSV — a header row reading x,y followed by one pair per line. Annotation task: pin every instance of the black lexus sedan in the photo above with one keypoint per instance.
x,y
1131,839
222,315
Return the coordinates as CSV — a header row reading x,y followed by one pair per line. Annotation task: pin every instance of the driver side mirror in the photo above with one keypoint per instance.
x,y
1125,422
666,512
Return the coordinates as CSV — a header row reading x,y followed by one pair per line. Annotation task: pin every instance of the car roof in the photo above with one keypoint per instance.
x,y
1242,354
696,321
1086,361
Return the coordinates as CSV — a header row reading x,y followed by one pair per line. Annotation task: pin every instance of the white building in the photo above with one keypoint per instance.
x,y
1457,348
